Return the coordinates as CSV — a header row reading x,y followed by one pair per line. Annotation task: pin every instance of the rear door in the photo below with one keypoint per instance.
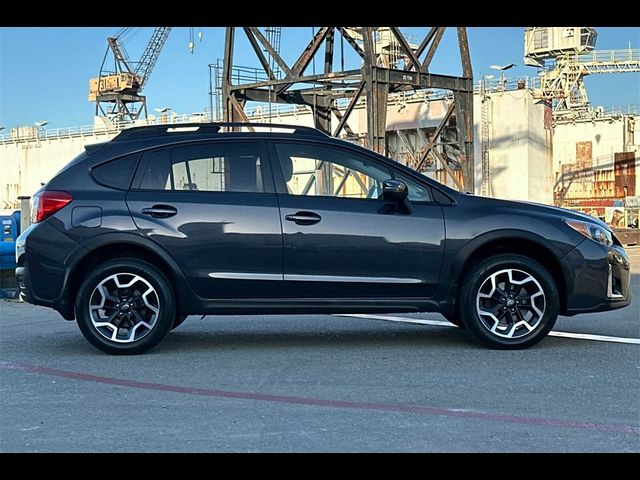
x,y
212,206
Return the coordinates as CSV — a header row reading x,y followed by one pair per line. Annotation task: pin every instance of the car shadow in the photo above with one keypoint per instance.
x,y
189,338
264,339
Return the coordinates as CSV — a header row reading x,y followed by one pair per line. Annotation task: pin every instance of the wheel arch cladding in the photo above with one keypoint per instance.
x,y
111,251
520,246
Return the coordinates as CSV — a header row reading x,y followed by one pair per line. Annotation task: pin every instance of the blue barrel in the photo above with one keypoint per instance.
x,y
9,231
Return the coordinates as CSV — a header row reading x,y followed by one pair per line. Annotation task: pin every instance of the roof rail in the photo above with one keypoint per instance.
x,y
206,128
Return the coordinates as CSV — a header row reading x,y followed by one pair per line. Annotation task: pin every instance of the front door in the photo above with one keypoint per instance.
x,y
213,208
340,239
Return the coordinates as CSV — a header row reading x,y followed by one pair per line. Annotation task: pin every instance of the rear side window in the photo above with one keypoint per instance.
x,y
116,173
210,167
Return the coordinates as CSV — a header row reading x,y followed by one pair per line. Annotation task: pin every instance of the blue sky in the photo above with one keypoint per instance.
x,y
44,72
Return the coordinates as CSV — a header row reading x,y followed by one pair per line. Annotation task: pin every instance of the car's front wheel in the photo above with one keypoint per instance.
x,y
508,301
125,307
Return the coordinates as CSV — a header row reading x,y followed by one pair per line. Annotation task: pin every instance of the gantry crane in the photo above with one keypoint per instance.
x,y
566,55
117,92
565,81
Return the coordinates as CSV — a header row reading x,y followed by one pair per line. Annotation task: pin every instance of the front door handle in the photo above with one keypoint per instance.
x,y
303,218
160,211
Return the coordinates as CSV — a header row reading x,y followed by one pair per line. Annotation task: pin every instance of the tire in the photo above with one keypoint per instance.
x,y
508,310
179,320
134,292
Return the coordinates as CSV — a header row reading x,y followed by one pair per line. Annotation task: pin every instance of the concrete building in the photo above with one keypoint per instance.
x,y
25,163
596,165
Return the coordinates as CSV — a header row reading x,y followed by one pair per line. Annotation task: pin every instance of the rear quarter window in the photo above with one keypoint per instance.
x,y
116,173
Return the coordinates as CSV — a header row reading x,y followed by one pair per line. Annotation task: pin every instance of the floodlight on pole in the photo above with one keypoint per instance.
x,y
503,67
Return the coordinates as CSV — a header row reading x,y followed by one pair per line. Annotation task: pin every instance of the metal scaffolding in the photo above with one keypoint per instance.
x,y
380,74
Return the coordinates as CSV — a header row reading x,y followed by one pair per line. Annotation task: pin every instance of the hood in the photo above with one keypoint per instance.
x,y
549,209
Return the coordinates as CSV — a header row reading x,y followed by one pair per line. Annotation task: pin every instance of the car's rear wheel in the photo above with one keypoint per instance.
x,y
508,301
125,307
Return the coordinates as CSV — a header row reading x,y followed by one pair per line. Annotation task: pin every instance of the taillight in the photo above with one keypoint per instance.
x,y
47,203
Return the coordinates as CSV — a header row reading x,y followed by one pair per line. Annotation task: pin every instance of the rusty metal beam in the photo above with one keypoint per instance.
x,y
328,51
425,42
464,125
304,59
240,111
256,48
301,96
229,41
302,79
447,169
377,86
423,80
435,135
432,49
463,43
272,51
343,121
347,112
351,41
309,52
407,143
413,59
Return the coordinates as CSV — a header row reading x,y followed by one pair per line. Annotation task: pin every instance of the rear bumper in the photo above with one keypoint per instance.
x,y
601,279
26,295
41,272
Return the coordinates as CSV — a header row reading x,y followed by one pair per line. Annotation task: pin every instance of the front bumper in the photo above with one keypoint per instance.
x,y
601,278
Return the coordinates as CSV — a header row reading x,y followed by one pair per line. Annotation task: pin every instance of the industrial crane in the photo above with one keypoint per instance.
x,y
565,81
566,55
117,91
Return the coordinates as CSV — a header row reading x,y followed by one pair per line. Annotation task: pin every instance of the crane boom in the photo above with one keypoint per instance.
x,y
151,53
119,54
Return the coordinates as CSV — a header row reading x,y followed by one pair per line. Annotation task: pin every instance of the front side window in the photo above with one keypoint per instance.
x,y
209,167
321,171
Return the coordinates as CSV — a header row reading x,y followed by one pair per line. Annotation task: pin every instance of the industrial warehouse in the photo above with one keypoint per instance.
x,y
337,239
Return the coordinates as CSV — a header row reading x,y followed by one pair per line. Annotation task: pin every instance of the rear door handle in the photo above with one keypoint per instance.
x,y
303,218
160,211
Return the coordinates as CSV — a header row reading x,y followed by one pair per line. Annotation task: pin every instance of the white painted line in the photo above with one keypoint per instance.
x,y
389,318
595,338
440,323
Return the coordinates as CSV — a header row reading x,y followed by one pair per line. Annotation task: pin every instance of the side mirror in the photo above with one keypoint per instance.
x,y
394,190
397,192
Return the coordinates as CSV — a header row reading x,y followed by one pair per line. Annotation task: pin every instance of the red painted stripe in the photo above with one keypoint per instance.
x,y
318,402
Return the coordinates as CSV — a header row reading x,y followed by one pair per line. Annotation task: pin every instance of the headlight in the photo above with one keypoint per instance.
x,y
591,230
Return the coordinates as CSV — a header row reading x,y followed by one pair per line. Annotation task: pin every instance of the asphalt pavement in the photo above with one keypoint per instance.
x,y
320,383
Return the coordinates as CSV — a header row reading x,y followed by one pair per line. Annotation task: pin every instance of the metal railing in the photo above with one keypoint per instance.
x,y
506,84
109,128
597,57
263,112
622,110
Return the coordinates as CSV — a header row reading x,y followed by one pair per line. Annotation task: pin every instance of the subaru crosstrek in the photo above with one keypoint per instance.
x,y
162,222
